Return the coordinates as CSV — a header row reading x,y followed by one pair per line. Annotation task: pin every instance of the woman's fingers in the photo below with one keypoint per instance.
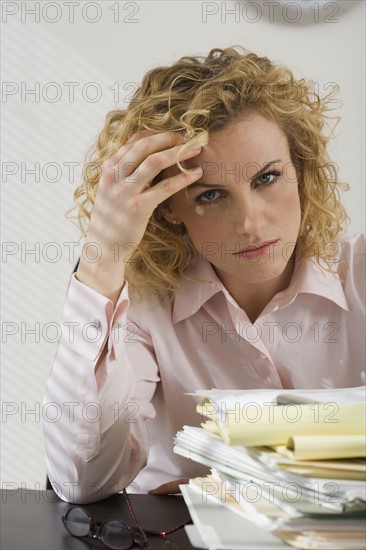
x,y
144,157
156,163
170,488
171,185
139,147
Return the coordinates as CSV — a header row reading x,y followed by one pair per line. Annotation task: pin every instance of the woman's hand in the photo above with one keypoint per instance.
x,y
170,488
125,201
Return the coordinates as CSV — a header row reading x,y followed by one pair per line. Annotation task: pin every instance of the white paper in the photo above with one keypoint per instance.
x,y
222,529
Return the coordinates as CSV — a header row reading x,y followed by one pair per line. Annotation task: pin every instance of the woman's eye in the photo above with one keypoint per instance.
x,y
208,196
267,178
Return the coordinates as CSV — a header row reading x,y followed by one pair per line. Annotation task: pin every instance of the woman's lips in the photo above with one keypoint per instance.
x,y
255,251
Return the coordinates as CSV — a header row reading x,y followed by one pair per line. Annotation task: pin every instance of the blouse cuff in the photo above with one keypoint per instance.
x,y
88,318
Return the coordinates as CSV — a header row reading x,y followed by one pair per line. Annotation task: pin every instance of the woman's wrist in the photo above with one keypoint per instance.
x,y
106,280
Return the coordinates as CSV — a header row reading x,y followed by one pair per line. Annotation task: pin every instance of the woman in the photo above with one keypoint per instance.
x,y
214,257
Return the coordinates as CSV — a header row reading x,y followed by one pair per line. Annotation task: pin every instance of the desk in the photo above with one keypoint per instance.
x,y
31,520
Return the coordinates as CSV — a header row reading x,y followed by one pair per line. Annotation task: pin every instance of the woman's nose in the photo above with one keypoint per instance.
x,y
248,216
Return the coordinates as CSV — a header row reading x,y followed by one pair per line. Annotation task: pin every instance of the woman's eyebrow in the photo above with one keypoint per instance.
x,y
211,185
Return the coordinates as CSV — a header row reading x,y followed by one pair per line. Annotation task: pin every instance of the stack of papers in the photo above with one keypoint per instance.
x,y
292,464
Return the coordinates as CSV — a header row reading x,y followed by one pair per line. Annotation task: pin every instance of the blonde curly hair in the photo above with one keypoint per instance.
x,y
199,95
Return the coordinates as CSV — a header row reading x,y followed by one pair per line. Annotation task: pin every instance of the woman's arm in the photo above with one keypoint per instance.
x,y
95,440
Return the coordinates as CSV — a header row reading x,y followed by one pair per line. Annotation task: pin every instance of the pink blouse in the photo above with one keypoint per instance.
x,y
102,431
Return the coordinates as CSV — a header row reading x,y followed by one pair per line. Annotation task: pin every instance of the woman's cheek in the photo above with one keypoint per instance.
x,y
290,196
290,206
203,228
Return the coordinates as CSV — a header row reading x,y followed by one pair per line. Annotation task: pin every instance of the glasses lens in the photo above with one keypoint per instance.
x,y
77,522
116,535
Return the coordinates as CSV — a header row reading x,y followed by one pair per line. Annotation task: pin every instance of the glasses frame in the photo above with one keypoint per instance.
x,y
137,533
149,531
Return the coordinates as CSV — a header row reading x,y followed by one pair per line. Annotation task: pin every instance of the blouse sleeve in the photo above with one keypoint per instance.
x,y
94,425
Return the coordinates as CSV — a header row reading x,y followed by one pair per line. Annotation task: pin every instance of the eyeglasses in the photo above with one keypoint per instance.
x,y
113,533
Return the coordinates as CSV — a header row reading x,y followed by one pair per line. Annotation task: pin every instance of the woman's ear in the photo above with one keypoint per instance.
x,y
167,213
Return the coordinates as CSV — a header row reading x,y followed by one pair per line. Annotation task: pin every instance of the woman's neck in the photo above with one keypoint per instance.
x,y
253,298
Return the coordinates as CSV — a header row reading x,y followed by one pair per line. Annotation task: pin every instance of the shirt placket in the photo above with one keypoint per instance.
x,y
259,355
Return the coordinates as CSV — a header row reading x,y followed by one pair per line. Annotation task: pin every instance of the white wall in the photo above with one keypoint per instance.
x,y
37,130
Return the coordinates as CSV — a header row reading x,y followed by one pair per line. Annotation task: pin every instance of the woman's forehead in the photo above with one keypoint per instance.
x,y
255,141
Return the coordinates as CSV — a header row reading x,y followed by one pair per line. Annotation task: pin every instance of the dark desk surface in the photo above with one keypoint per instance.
x,y
31,520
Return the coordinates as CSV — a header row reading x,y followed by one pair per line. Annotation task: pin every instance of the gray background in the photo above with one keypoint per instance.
x,y
105,48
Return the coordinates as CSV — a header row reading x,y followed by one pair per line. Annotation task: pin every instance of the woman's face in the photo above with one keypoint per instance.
x,y
247,200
